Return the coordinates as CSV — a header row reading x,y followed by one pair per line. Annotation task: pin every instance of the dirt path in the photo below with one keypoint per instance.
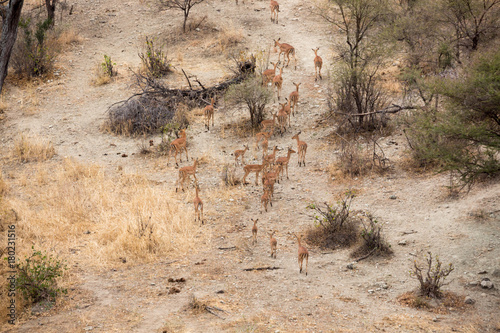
x,y
331,297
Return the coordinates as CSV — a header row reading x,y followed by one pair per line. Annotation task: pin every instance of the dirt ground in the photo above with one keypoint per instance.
x,y
415,209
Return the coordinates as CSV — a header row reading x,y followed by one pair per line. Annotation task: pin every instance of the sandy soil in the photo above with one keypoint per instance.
x,y
331,298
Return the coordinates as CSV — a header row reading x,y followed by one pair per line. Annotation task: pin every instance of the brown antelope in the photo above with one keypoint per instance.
x,y
177,145
269,123
303,254
265,199
257,168
268,74
294,97
278,82
185,173
264,136
271,176
301,148
254,231
318,63
274,244
238,153
283,162
287,50
269,186
198,206
287,108
275,9
271,157
208,111
282,115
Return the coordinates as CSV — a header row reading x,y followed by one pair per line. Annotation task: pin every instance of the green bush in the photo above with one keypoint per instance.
x,y
31,56
37,277
464,137
154,59
107,66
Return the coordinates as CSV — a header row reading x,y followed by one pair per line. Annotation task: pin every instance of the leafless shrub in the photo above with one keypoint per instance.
x,y
373,241
334,226
431,276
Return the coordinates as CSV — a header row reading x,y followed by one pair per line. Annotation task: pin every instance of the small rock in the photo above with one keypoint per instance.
x,y
496,272
436,319
473,283
382,285
469,300
393,197
371,291
88,328
220,292
483,272
487,284
124,155
402,242
350,266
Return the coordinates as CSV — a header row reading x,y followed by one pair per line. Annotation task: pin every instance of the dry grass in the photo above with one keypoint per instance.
x,y
78,209
100,77
449,302
69,37
3,187
32,148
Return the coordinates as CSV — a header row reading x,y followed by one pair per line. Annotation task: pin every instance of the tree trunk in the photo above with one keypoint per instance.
x,y
10,15
51,9
185,20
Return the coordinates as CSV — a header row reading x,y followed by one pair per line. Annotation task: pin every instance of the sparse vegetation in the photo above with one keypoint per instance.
x,y
154,60
183,5
31,56
373,241
251,93
32,148
334,225
37,277
431,276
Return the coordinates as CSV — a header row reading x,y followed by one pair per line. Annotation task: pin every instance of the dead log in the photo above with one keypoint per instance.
x,y
267,268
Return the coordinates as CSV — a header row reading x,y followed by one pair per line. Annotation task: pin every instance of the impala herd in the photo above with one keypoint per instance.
x,y
272,168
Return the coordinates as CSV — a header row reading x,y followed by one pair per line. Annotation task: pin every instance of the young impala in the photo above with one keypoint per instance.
x,y
318,63
302,149
283,162
257,168
198,206
294,98
278,82
177,146
275,9
303,254
240,153
208,111
268,74
287,50
254,231
185,173
274,244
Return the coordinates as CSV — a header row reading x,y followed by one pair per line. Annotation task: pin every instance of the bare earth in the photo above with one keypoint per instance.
x,y
331,298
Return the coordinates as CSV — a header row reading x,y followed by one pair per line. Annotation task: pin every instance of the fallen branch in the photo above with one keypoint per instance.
x,y
394,108
408,232
227,248
365,256
212,309
268,268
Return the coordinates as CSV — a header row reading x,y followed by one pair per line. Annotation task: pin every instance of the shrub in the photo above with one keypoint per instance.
x,y
334,225
154,59
254,95
108,66
37,277
431,277
105,71
229,175
31,57
373,241
463,137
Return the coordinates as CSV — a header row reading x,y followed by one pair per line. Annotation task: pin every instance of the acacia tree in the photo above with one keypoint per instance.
x,y
251,93
357,94
473,20
11,14
184,5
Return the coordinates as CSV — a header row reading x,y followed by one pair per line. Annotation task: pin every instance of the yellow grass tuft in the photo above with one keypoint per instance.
x,y
69,37
32,148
